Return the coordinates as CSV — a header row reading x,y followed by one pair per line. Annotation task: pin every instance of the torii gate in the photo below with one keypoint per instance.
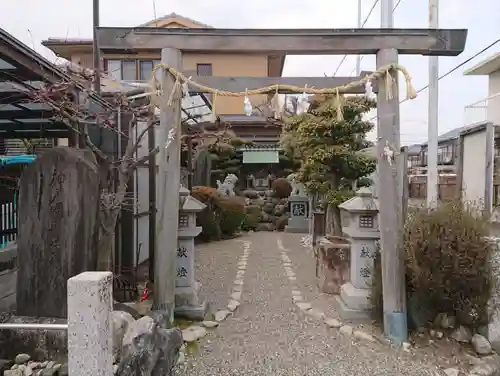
x,y
387,44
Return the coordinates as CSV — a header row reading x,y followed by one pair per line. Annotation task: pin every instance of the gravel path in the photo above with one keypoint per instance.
x,y
268,334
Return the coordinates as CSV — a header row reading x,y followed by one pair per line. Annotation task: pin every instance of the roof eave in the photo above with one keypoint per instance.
x,y
485,67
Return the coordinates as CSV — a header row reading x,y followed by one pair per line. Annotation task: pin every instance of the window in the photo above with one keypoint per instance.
x,y
114,69
203,69
132,70
414,160
445,154
145,69
129,70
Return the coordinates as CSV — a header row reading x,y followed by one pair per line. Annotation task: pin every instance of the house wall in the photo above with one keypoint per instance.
x,y
494,103
474,173
235,65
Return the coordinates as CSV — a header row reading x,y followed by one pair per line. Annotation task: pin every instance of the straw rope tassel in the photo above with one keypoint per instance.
x,y
172,95
340,106
214,102
389,83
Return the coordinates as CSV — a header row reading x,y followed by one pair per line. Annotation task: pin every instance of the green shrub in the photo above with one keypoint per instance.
x,y
231,212
447,264
447,260
209,223
250,222
281,188
208,218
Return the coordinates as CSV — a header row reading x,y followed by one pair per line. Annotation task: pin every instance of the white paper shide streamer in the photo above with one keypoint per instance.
x,y
388,153
247,105
302,103
368,89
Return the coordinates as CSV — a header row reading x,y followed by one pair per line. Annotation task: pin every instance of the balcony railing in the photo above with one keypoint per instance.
x,y
478,111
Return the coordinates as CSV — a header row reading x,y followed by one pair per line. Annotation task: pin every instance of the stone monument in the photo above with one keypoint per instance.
x,y
58,215
360,224
187,300
298,202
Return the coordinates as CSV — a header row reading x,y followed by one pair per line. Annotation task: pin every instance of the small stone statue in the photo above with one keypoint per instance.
x,y
298,189
226,188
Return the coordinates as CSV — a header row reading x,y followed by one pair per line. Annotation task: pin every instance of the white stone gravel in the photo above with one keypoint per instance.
x,y
268,334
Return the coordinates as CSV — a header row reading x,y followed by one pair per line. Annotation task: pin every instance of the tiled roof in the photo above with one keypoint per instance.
x,y
179,17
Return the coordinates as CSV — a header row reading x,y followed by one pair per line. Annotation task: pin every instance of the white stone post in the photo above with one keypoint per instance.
x,y
360,225
90,303
187,300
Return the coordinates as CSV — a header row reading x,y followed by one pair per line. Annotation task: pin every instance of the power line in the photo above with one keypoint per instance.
x,y
362,25
453,69
362,57
457,67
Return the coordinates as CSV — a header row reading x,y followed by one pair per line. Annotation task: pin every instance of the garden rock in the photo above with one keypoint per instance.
x,y
445,321
333,323
346,329
279,210
22,358
265,227
120,323
258,202
480,344
363,336
210,324
488,366
461,334
268,208
193,333
451,372
250,193
221,315
149,350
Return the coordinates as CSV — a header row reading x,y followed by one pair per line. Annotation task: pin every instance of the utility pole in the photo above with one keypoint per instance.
x,y
358,57
96,52
432,126
169,173
390,193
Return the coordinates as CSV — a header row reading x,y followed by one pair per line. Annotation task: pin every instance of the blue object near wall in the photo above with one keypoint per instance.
x,y
5,161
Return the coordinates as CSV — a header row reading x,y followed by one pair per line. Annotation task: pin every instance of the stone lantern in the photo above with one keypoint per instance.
x,y
187,301
359,217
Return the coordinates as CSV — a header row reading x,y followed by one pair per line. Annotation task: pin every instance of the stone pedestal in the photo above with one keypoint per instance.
x,y
492,332
90,303
298,220
360,224
187,300
333,261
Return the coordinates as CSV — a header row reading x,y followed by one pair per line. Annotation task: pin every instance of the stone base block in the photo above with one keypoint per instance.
x,y
354,304
296,230
298,225
351,315
196,313
188,304
355,298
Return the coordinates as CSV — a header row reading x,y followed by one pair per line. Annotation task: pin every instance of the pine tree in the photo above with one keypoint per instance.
x,y
327,149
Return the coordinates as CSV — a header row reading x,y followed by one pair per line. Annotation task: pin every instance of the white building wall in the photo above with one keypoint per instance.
x,y
474,173
494,103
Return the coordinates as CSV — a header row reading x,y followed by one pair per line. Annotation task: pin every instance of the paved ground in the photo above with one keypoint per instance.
x,y
268,334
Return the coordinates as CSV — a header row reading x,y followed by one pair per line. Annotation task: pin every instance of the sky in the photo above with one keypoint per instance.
x,y
32,21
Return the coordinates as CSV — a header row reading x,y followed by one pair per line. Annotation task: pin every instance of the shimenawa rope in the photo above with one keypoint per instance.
x,y
180,79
